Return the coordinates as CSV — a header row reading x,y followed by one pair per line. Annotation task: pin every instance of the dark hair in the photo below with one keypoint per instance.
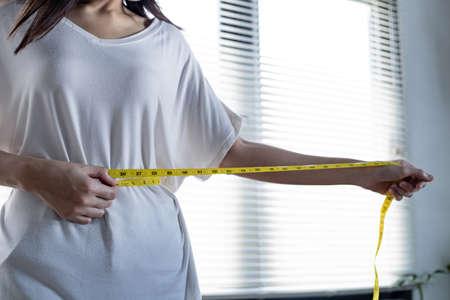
x,y
50,12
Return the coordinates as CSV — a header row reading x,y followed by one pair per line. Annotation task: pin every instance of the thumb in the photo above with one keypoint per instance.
x,y
102,174
419,174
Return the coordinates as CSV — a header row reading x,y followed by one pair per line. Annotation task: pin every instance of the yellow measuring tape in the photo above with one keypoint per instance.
x,y
140,177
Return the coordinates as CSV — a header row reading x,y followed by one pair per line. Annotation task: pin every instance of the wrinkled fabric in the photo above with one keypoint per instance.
x,y
140,101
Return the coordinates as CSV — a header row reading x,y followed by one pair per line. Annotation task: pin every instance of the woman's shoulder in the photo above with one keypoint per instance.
x,y
174,40
172,31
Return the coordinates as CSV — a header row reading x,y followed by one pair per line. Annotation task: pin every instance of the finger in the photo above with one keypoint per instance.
x,y
393,192
107,193
102,174
107,179
409,188
92,212
413,181
400,189
421,175
397,194
420,185
102,204
103,191
81,219
417,184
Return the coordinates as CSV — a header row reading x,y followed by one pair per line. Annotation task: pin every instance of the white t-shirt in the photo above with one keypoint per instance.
x,y
140,101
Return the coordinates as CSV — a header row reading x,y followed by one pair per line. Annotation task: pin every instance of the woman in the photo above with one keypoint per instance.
x,y
96,85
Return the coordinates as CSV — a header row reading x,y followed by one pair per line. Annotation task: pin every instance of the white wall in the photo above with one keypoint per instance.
x,y
425,38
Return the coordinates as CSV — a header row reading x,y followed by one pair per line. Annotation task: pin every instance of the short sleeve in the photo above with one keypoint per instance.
x,y
207,128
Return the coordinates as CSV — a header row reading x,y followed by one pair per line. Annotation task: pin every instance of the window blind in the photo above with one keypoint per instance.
x,y
318,77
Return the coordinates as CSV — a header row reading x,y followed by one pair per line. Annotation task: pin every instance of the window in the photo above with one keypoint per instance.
x,y
318,77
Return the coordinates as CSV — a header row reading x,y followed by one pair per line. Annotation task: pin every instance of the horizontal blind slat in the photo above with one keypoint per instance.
x,y
257,236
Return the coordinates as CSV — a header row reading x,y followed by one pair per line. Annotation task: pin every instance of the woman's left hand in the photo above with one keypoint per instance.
x,y
399,180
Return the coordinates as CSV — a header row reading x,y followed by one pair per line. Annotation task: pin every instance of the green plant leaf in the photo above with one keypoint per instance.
x,y
409,276
420,291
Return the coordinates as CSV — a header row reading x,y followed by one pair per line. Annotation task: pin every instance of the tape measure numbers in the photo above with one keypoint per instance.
x,y
156,173
139,177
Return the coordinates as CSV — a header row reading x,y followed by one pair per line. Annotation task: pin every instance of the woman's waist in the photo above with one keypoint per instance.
x,y
140,206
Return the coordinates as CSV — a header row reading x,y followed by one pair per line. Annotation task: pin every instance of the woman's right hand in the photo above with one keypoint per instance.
x,y
399,180
71,189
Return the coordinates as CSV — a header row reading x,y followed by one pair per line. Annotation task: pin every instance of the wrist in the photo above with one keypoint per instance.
x,y
357,176
366,175
28,171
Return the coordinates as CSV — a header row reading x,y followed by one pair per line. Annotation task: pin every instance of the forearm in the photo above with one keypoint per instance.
x,y
256,154
13,169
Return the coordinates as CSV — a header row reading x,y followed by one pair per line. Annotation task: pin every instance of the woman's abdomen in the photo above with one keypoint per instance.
x,y
138,244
